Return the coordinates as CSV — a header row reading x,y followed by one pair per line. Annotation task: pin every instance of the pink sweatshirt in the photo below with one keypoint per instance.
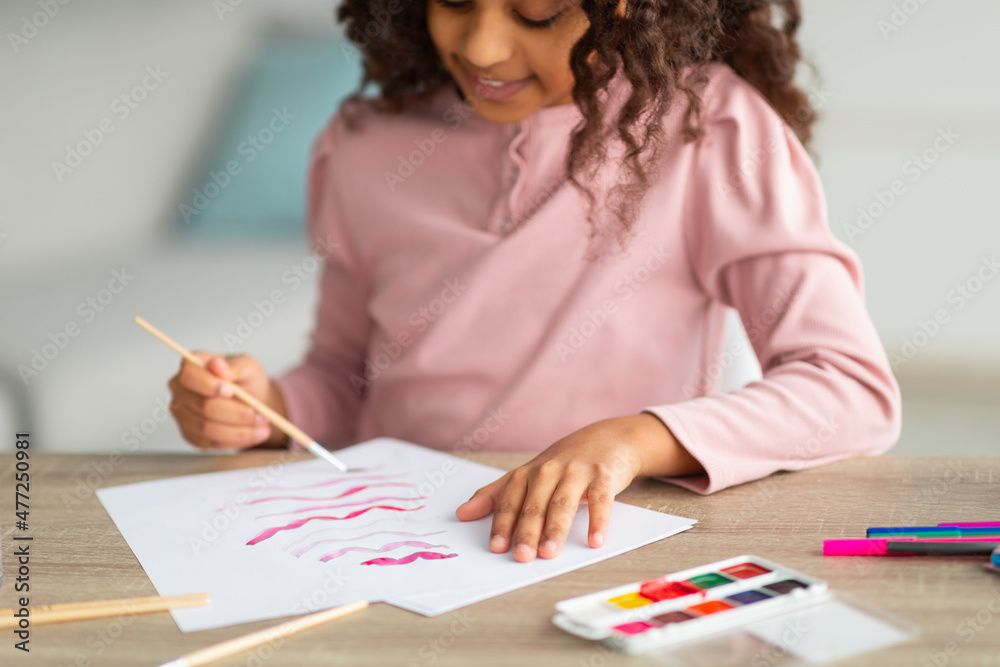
x,y
458,310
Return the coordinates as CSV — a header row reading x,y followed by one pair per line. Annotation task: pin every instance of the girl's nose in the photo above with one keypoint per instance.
x,y
488,42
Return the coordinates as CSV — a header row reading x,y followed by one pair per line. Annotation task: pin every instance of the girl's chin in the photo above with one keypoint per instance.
x,y
507,111
501,116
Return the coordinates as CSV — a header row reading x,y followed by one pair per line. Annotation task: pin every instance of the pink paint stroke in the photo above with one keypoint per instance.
x,y
349,492
388,547
356,478
301,550
333,507
399,520
429,555
271,532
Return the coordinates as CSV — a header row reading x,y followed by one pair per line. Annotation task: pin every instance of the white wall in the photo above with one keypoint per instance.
x,y
62,83
890,94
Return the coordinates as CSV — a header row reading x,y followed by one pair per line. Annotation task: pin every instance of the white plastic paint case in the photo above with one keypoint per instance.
x,y
762,628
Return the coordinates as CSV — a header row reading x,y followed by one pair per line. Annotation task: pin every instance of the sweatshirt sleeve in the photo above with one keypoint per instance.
x,y
318,393
758,240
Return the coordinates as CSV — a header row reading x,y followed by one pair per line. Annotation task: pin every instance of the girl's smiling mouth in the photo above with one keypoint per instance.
x,y
493,90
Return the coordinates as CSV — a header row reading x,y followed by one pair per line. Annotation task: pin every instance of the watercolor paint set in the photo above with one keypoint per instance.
x,y
743,593
687,604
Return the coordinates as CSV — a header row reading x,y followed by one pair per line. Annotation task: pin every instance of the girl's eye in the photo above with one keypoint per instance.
x,y
544,23
463,4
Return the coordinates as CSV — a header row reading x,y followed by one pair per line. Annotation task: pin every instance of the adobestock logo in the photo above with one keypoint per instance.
x,y
59,340
122,107
31,25
420,320
250,148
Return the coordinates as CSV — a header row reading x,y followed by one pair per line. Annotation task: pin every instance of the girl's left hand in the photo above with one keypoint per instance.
x,y
535,504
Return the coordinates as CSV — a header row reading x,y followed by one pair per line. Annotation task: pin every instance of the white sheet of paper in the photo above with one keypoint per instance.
x,y
192,534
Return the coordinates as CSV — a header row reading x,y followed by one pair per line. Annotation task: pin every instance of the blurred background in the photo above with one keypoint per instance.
x,y
154,160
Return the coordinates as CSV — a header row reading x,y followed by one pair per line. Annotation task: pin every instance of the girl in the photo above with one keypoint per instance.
x,y
532,235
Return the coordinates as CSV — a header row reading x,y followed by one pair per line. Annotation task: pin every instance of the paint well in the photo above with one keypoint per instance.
x,y
745,570
629,601
709,580
672,617
710,607
748,597
659,589
633,628
785,586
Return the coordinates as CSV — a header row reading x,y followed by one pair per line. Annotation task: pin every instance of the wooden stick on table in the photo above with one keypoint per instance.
x,y
287,427
227,648
74,611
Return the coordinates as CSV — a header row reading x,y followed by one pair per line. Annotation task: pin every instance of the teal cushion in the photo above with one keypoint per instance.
x,y
253,183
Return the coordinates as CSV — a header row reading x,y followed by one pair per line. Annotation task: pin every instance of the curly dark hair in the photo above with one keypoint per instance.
x,y
653,43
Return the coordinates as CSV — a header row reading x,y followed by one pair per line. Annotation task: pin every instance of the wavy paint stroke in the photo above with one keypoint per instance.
x,y
429,555
337,529
388,547
351,504
355,478
301,550
349,492
271,532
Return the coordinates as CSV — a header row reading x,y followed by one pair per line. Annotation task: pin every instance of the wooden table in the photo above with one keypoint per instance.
x,y
77,554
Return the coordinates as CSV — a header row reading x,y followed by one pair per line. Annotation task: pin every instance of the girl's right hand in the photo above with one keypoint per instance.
x,y
208,414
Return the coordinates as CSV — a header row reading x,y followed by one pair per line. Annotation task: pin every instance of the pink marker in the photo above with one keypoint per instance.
x,y
985,524
879,547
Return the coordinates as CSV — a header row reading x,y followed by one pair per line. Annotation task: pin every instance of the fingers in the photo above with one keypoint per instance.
x,y
238,368
205,412
209,434
217,409
202,381
600,498
508,509
533,512
220,368
535,505
482,501
562,509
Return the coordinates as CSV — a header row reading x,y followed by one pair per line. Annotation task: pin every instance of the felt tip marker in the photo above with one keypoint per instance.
x,y
961,548
931,531
879,547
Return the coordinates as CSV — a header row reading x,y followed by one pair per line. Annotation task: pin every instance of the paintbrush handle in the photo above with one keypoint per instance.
x,y
287,427
75,611
268,635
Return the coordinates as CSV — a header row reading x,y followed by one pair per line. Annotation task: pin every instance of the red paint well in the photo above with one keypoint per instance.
x,y
658,589
745,570
633,628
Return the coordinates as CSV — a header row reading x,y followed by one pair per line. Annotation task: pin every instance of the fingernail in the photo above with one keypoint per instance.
x,y
498,543
260,419
261,432
523,552
598,540
549,547
224,389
